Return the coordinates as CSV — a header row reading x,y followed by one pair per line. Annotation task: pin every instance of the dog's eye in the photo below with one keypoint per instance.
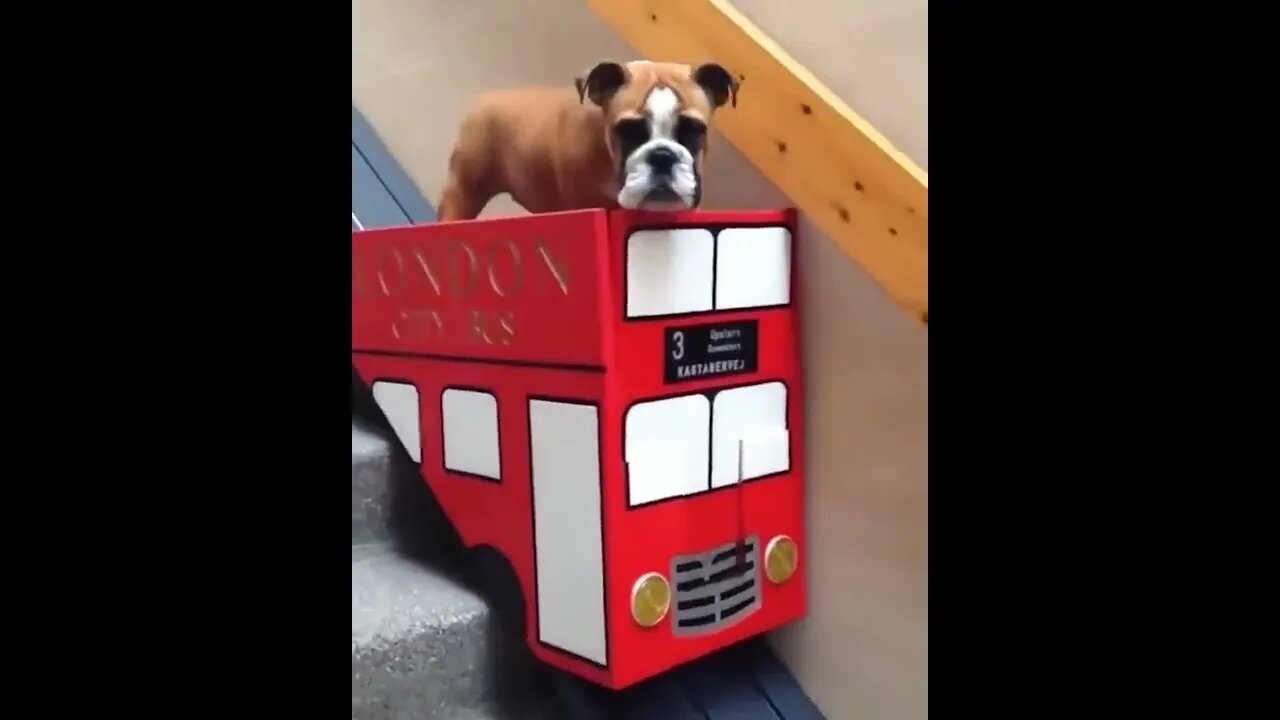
x,y
632,132
690,133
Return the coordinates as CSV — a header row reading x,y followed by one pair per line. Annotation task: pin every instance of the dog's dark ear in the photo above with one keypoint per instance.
x,y
601,82
720,85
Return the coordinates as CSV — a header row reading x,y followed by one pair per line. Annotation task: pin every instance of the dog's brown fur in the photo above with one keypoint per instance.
x,y
552,150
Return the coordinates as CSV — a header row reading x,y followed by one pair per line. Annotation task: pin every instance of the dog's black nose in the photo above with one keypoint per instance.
x,y
662,159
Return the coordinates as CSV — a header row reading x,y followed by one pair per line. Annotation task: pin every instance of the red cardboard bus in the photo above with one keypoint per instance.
x,y
611,402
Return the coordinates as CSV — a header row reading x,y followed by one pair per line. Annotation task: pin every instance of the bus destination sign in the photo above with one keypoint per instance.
x,y
695,352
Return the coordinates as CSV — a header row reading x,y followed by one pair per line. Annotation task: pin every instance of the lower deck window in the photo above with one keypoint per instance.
x,y
666,448
749,433
399,404
470,419
691,444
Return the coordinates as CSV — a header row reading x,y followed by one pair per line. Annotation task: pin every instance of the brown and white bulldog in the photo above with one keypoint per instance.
x,y
634,135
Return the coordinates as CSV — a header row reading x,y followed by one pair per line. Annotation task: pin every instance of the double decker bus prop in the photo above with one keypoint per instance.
x,y
611,401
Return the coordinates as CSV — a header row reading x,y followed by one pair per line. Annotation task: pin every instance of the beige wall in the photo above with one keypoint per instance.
x,y
863,651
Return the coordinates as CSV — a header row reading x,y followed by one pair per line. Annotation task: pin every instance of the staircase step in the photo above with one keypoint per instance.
x,y
390,500
418,639
371,483
540,710
423,645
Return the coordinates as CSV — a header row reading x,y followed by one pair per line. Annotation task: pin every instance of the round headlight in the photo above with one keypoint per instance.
x,y
650,599
781,557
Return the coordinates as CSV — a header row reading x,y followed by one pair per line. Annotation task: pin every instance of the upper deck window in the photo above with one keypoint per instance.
x,y
693,270
669,272
753,268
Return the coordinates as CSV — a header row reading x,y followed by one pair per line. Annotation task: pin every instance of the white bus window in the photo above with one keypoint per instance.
x,y
669,272
470,419
756,417
666,448
753,267
399,403
568,549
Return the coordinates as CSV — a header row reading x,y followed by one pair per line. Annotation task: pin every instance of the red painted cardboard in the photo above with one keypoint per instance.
x,y
523,332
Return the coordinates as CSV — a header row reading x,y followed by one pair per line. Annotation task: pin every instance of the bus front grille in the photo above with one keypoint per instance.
x,y
715,588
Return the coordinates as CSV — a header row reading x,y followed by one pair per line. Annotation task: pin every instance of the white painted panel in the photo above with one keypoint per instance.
x,y
669,271
756,417
753,267
470,422
666,448
568,547
399,403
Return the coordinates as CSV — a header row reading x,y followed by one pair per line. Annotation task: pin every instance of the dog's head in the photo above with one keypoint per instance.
x,y
656,117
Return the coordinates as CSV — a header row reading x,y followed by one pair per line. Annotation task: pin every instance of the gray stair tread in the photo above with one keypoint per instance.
x,y
535,710
371,483
393,596
366,443
420,641
423,645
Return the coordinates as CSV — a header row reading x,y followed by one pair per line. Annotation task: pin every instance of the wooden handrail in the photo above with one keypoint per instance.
x,y
870,198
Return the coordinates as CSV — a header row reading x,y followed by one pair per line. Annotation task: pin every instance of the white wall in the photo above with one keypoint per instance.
x,y
873,53
863,651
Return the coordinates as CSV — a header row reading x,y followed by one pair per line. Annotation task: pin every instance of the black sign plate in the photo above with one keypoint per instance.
x,y
696,352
